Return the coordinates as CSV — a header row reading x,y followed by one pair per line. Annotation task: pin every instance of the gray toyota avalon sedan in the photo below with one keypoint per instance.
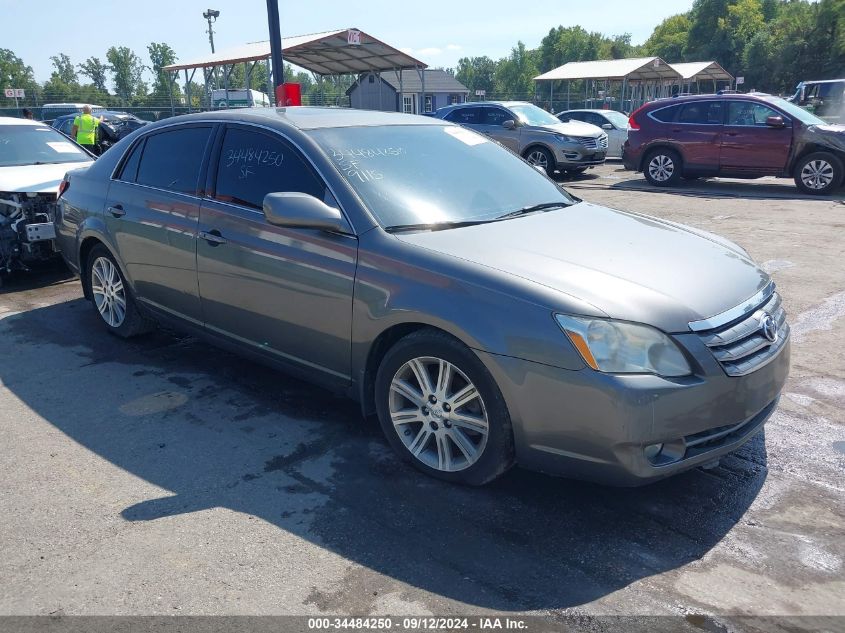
x,y
485,315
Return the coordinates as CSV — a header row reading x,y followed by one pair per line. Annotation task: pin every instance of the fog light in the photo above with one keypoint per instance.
x,y
652,451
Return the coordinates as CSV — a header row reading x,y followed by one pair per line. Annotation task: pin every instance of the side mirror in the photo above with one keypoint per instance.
x,y
510,124
302,211
775,121
607,126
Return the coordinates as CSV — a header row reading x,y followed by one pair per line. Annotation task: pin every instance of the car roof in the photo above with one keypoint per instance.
x,y
708,97
595,110
10,120
307,117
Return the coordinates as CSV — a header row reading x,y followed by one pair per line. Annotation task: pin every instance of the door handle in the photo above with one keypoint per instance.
x,y
117,210
213,237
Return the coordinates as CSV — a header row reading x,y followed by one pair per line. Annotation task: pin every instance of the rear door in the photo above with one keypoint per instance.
x,y
749,146
152,212
286,292
697,130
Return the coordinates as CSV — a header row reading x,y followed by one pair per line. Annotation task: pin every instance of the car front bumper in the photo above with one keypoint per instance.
x,y
588,425
578,156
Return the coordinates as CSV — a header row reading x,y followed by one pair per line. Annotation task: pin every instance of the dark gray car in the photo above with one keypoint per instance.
x,y
533,133
483,313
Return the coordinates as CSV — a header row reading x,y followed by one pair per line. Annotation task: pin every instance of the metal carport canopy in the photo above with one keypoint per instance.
x,y
702,71
633,69
328,53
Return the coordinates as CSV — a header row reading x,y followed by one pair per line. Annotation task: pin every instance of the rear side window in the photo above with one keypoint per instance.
x,y
666,115
130,168
701,113
253,164
464,116
171,160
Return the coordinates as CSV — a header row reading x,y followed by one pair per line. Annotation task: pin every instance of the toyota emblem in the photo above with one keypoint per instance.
x,y
768,327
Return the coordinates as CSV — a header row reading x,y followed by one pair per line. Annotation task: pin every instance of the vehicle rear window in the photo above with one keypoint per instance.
x,y
253,164
172,159
701,113
129,171
464,116
666,115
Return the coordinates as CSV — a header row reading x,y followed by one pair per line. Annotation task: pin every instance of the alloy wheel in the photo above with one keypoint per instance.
x,y
438,413
817,174
108,291
661,168
538,157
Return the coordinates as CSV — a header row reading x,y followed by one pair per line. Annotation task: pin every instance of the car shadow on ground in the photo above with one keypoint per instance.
x,y
761,189
219,431
41,276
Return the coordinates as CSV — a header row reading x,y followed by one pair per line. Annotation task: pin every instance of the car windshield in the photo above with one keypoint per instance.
x,y
36,145
435,174
807,118
532,115
618,119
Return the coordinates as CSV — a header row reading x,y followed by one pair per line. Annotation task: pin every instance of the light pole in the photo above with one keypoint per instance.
x,y
211,15
275,44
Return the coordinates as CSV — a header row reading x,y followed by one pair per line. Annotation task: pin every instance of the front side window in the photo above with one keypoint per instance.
x,y
701,113
495,116
172,159
253,164
749,113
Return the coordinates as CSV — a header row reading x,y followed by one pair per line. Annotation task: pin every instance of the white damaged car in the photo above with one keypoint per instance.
x,y
33,161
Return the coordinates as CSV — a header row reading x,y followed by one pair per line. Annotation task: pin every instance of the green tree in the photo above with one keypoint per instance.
x,y
669,38
64,69
127,73
477,73
14,73
96,71
161,55
515,74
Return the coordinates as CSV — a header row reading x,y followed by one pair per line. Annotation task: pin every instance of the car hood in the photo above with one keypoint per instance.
x,y
627,266
570,128
35,178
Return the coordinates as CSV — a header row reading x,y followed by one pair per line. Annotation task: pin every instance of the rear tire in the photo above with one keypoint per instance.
x,y
541,157
818,174
442,411
112,297
663,167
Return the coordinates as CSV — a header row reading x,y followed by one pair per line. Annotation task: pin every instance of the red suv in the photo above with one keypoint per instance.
x,y
734,135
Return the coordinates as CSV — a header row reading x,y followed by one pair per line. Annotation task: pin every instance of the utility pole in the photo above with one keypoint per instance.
x,y
211,15
275,43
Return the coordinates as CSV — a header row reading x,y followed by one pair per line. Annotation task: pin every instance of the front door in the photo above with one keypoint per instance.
x,y
152,212
749,146
284,291
491,123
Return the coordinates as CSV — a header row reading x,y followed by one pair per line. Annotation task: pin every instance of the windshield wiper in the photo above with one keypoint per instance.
x,y
534,208
435,226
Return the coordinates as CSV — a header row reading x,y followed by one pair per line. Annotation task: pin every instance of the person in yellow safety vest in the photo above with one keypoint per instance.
x,y
84,129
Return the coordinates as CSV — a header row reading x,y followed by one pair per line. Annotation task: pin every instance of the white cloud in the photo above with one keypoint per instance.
x,y
429,52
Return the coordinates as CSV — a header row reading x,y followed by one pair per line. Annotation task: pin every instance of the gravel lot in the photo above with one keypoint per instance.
x,y
161,476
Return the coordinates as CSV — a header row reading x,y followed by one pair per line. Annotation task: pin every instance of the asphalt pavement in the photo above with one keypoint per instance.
x,y
163,476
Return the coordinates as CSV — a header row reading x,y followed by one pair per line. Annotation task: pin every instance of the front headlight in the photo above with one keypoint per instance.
x,y
615,347
565,138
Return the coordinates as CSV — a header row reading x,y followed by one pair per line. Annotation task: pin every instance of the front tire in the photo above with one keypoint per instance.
x,y
663,167
441,410
112,296
818,174
541,157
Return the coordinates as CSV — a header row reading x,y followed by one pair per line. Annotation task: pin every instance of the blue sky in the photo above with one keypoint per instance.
x,y
438,32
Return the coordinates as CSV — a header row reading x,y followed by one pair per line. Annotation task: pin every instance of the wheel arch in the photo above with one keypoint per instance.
x,y
812,148
86,245
537,144
379,348
664,145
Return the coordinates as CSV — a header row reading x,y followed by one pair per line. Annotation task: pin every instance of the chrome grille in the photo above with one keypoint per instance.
x,y
740,345
590,142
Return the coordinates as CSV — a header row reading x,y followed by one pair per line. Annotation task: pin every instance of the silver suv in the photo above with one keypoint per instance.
x,y
533,133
